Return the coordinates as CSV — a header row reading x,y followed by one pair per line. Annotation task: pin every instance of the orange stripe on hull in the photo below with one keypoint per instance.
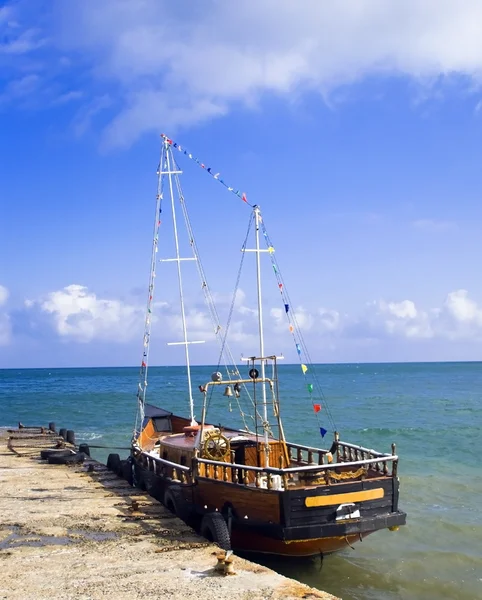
x,y
252,542
331,500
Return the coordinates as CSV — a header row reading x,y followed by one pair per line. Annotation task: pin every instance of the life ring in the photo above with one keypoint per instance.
x,y
191,430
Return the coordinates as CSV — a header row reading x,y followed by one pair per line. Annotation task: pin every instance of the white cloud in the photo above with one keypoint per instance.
x,y
433,225
82,316
172,66
5,326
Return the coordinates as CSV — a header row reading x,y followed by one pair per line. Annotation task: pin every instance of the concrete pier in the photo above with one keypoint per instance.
x,y
81,532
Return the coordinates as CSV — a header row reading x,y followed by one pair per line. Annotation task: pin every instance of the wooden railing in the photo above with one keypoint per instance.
x,y
312,467
165,468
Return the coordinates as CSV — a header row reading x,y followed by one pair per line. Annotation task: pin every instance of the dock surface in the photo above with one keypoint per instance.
x,y
80,532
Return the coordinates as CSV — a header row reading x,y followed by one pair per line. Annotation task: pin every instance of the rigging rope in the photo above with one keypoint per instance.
x,y
296,333
142,384
215,320
214,175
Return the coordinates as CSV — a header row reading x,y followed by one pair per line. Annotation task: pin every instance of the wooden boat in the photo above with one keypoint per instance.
x,y
250,489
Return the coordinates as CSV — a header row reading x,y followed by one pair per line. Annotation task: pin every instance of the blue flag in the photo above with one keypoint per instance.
x,y
323,432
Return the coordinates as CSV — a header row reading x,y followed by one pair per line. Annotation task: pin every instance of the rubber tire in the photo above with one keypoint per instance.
x,y
126,467
113,463
70,439
73,459
175,503
215,529
85,449
45,454
52,427
63,433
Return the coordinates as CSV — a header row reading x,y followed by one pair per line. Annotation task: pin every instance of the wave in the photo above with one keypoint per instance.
x,y
88,435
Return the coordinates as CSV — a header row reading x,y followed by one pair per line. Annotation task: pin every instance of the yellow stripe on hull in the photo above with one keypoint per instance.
x,y
345,498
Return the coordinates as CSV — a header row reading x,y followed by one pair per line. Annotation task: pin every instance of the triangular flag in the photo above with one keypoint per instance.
x,y
143,364
291,328
310,388
298,349
304,368
287,307
323,432
317,407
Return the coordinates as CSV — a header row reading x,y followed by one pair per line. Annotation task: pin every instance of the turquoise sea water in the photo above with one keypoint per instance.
x,y
433,411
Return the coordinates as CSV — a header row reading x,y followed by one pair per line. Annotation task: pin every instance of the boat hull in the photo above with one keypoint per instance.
x,y
297,523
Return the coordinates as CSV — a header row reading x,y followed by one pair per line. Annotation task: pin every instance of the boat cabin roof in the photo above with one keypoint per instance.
x,y
179,440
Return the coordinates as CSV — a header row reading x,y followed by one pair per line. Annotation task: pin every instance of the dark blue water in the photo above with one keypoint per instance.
x,y
433,411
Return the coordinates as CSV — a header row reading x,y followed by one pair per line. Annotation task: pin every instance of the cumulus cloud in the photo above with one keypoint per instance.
x,y
78,314
168,65
81,315
5,326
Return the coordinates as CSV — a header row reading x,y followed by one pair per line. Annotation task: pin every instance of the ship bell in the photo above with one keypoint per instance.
x,y
228,391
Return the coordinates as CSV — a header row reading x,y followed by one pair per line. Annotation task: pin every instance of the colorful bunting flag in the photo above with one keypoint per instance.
x,y
213,174
317,407
304,368
287,307
310,388
298,349
323,431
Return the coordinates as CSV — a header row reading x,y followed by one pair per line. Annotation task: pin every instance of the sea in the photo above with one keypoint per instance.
x,y
432,411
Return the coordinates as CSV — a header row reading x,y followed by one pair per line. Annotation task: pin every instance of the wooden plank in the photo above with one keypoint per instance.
x,y
255,503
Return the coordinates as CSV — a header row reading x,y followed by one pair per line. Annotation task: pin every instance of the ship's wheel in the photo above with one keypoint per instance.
x,y
216,446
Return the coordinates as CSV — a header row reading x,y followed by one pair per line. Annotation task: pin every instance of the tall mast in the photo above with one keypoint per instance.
x,y
257,218
177,259
258,250
142,385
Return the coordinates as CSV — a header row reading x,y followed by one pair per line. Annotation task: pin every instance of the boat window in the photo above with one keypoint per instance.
x,y
162,423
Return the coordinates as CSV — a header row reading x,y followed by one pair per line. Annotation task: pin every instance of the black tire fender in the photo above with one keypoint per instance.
x,y
45,454
73,459
85,449
113,462
175,503
52,427
215,529
70,437
126,473
63,433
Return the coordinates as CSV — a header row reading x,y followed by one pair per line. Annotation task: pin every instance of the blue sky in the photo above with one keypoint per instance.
x,y
356,129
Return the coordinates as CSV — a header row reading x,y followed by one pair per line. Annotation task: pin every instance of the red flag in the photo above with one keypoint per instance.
x,y
317,407
243,197
143,364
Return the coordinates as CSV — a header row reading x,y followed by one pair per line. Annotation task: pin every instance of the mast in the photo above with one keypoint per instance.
x,y
142,385
258,250
178,259
257,217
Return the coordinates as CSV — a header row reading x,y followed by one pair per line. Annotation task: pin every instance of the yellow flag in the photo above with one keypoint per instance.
x,y
271,249
304,368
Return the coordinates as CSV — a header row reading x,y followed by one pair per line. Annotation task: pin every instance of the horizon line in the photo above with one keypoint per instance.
x,y
385,362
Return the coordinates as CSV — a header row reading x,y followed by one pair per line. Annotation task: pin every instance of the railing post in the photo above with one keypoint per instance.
x,y
310,457
395,462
